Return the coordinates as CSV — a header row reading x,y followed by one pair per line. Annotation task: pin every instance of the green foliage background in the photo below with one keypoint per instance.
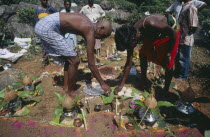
x,y
137,8
26,15
9,2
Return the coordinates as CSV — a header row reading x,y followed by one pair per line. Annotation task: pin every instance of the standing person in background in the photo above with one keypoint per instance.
x,y
70,37
93,12
176,7
42,11
188,20
184,52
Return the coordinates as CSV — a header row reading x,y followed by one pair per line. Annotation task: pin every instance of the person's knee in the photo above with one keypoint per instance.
x,y
74,60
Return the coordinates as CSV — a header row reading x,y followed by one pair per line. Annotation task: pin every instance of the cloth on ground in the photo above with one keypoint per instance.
x,y
23,42
7,55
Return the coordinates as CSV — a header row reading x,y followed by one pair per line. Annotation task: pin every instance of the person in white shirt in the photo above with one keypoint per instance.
x,y
71,37
176,7
93,12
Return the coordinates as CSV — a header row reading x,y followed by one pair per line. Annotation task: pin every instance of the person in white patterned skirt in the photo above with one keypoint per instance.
x,y
51,30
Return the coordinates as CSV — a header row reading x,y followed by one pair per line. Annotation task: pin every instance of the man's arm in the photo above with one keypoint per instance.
x,y
199,5
127,68
170,10
81,11
91,62
193,19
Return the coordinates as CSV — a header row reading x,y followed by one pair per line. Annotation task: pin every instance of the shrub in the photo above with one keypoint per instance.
x,y
5,36
204,19
26,15
9,2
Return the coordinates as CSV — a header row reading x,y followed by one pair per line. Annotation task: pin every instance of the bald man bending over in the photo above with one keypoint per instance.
x,y
51,30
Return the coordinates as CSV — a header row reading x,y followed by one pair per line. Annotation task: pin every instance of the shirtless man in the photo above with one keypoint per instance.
x,y
160,43
51,30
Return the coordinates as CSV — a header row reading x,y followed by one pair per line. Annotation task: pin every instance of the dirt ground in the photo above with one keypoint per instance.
x,y
100,124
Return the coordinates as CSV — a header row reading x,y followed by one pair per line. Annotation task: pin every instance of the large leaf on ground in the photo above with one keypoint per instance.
x,y
146,94
108,99
58,113
39,89
2,92
17,84
3,104
25,95
34,77
78,97
135,91
139,103
23,112
59,97
161,123
155,111
164,104
22,76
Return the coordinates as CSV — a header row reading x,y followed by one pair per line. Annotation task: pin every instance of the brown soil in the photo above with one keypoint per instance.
x,y
101,124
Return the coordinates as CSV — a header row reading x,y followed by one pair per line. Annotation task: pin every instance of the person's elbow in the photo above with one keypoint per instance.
x,y
205,4
202,7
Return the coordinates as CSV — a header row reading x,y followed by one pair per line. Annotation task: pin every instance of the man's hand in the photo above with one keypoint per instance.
x,y
118,89
106,88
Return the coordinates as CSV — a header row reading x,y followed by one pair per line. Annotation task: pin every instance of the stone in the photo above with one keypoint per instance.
x,y
18,29
23,5
106,5
8,77
7,11
118,16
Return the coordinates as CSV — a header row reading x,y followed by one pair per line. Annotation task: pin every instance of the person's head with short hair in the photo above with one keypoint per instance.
x,y
103,29
126,37
44,3
67,5
90,2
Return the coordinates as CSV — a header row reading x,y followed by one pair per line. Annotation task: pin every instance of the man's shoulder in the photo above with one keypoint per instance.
x,y
193,7
96,5
86,6
63,10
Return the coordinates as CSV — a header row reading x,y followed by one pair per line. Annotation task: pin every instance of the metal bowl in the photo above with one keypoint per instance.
x,y
185,107
71,113
149,118
14,105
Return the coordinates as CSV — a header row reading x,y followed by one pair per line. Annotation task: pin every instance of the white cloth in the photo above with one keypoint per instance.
x,y
71,37
93,13
23,42
188,18
176,7
7,55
